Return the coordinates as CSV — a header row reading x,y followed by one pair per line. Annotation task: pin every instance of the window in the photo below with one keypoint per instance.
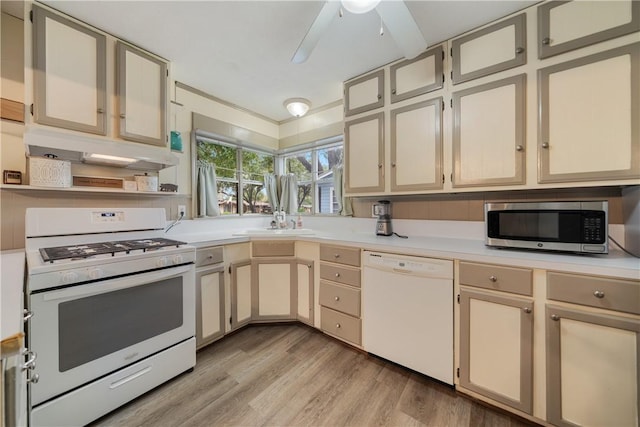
x,y
239,171
314,170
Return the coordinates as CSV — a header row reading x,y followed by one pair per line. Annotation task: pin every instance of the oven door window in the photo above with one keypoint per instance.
x,y
98,325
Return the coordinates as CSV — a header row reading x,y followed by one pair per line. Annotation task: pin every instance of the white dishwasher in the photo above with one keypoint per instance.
x,y
407,312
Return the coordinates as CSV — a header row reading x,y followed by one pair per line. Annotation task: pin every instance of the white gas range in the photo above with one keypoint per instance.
x,y
113,305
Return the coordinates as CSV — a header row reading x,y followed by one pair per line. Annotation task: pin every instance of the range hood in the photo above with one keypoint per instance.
x,y
82,148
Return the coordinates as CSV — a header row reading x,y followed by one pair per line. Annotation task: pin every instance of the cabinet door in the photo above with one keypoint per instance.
x,y
364,154
496,347
305,291
141,96
209,306
413,77
364,93
273,290
495,48
69,74
416,138
489,143
589,109
592,368
241,298
568,25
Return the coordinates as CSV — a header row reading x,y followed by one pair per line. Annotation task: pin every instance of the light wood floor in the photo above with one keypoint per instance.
x,y
293,375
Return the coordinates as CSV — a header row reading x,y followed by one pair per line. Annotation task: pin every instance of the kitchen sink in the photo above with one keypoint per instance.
x,y
274,232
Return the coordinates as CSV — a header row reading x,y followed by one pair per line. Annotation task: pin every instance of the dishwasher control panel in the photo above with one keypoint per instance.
x,y
419,266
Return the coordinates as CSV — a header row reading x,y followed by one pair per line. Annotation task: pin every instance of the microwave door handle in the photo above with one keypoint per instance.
x,y
115,284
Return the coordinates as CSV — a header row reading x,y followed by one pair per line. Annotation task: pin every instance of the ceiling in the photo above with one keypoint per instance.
x,y
240,51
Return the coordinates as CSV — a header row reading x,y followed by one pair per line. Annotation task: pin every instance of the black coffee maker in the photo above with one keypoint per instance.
x,y
383,211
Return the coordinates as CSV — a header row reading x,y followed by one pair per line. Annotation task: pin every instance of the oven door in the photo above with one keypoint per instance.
x,y
83,332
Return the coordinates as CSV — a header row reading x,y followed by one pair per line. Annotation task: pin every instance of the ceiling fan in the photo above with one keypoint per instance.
x,y
394,14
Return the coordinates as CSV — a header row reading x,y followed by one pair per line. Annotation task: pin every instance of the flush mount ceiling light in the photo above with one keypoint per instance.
x,y
359,6
297,107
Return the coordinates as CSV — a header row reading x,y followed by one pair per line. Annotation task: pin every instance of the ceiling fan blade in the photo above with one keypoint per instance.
x,y
403,27
319,26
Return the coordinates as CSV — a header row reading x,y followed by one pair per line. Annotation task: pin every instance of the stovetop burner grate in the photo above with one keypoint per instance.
x,y
87,250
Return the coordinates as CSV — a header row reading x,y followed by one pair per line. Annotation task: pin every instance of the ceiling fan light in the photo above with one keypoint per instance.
x,y
297,107
359,6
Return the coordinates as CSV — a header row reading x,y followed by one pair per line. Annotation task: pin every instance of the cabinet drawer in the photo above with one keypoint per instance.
x,y
340,325
499,278
342,298
601,292
336,273
348,256
208,256
273,248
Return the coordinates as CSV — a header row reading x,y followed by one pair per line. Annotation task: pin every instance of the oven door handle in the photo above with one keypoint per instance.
x,y
115,284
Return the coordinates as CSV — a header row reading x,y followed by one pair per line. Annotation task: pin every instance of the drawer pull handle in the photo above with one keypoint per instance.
x,y
337,325
337,298
555,317
31,361
336,256
337,274
598,294
493,279
526,310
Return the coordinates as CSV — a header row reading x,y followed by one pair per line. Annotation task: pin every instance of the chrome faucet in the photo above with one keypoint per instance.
x,y
293,224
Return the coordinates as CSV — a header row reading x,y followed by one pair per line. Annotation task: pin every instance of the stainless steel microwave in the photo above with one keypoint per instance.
x,y
553,226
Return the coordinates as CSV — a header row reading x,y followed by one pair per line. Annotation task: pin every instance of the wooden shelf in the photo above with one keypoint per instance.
x,y
90,190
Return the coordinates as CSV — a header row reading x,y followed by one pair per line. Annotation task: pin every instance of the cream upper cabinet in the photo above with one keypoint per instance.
x,y
494,48
567,25
364,154
141,90
589,107
69,74
364,93
417,76
489,134
416,138
496,347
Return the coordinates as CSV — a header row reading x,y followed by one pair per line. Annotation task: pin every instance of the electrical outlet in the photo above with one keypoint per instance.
x,y
182,210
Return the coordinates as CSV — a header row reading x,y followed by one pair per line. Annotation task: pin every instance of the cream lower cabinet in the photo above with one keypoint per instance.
x,y
274,296
305,279
210,295
237,285
496,347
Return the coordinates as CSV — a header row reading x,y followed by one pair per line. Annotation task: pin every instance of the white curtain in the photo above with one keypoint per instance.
x,y
289,193
207,190
271,187
344,203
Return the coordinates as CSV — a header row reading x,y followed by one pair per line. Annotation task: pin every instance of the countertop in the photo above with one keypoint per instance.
x,y
11,285
616,263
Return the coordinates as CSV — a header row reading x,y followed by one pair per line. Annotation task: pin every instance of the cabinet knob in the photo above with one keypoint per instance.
x,y
336,255
546,40
379,165
100,111
33,379
598,294
545,145
393,91
393,165
526,310
308,265
336,298
26,314
337,274
555,317
337,325
493,279
122,116
519,50
519,148
379,96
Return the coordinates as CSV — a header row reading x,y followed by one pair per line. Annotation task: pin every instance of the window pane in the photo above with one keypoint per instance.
x,y
255,165
327,202
223,157
301,165
305,197
228,197
327,159
255,199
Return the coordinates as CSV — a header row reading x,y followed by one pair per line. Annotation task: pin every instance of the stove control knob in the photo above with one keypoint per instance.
x,y
177,259
69,277
162,262
95,273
